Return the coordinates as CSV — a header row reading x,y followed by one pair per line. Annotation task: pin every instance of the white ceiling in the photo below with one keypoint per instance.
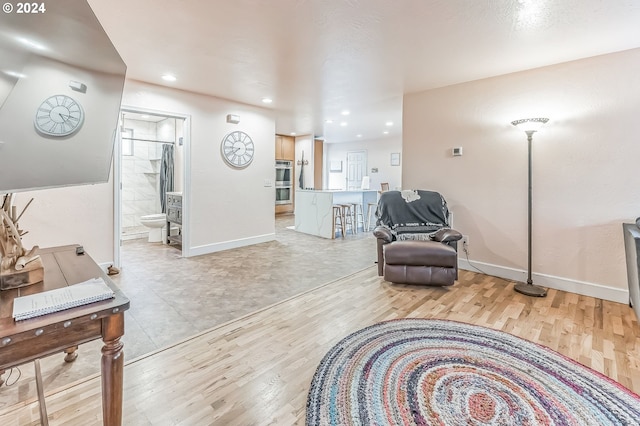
x,y
315,58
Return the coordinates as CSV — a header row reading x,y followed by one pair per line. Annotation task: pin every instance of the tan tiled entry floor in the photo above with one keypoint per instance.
x,y
173,298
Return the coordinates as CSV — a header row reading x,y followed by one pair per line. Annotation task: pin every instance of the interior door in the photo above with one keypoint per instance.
x,y
356,169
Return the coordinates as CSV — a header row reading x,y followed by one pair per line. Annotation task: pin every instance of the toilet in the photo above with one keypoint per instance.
x,y
155,223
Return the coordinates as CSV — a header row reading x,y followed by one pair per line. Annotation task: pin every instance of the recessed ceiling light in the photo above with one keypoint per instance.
x,y
292,133
389,123
144,116
358,135
267,100
343,124
169,77
345,112
329,121
386,132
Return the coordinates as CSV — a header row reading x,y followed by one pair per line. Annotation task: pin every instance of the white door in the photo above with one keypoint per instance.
x,y
356,169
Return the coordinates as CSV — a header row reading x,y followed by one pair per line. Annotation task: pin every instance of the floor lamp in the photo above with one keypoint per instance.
x,y
530,126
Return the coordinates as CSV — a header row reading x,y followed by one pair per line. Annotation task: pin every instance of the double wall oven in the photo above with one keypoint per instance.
x,y
284,172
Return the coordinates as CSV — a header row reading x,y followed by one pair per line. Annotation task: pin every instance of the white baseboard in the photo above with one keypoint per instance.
x,y
226,245
598,291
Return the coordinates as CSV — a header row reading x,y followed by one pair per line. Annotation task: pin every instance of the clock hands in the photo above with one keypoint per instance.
x,y
237,149
234,149
58,115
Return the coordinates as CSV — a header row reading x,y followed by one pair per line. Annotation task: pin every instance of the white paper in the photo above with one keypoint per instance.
x,y
46,302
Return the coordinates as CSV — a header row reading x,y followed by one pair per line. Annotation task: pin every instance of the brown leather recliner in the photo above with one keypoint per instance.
x,y
415,243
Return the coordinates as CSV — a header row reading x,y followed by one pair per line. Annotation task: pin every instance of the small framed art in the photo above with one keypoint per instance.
x,y
395,158
335,166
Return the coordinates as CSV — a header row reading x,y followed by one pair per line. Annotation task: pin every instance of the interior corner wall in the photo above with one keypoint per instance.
x,y
70,215
228,207
304,144
585,168
378,157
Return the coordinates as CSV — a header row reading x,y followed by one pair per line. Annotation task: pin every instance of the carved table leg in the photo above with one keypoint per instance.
x,y
112,369
71,354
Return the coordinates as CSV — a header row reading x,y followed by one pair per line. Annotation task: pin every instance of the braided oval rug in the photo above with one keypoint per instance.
x,y
437,372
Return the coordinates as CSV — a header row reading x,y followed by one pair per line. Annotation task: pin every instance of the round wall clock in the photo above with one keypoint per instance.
x,y
237,149
59,115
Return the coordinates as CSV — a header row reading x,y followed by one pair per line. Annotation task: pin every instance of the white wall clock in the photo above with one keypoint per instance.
x,y
237,149
59,115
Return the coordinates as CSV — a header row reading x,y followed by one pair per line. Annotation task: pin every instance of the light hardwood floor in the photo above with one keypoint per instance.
x,y
256,370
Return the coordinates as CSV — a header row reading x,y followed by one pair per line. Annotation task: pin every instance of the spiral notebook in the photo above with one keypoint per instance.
x,y
47,302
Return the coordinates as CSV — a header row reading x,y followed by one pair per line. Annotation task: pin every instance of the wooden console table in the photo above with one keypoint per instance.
x,y
25,341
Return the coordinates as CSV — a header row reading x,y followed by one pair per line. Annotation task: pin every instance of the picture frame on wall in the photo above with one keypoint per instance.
x,y
335,166
395,158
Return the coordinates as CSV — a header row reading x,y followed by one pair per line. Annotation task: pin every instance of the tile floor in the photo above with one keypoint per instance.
x,y
173,298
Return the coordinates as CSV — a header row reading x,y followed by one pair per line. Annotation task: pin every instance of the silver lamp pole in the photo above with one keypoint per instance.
x,y
530,126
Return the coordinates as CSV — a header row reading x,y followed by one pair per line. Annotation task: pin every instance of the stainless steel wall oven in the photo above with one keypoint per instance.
x,y
284,170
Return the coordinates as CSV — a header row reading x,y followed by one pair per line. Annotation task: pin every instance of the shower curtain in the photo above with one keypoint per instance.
x,y
166,174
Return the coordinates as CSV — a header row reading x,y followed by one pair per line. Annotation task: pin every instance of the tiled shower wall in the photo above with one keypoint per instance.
x,y
140,171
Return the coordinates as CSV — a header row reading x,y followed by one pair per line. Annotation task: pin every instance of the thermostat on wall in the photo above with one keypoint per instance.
x,y
456,152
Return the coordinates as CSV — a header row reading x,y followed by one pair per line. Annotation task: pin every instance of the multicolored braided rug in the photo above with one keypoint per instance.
x,y
435,372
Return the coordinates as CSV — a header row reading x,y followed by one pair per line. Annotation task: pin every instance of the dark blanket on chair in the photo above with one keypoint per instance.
x,y
412,214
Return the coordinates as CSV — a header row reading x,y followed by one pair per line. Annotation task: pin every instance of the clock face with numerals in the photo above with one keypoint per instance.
x,y
237,149
59,115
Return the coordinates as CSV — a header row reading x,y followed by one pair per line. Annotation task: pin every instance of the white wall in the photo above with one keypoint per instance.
x,y
585,173
378,156
304,144
227,207
71,215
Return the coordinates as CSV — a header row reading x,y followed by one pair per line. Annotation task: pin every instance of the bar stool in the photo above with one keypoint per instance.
x,y
358,215
347,215
371,208
338,220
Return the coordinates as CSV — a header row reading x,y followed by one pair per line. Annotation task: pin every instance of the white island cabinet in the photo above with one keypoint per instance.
x,y
314,208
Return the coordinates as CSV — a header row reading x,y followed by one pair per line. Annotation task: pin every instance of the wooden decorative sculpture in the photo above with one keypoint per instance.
x,y
18,267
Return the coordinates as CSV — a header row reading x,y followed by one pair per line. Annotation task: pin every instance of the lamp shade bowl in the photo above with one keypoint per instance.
x,y
530,124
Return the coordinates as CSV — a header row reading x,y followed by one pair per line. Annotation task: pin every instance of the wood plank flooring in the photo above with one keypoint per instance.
x,y
256,370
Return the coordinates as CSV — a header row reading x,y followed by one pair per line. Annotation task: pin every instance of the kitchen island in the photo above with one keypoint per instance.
x,y
314,208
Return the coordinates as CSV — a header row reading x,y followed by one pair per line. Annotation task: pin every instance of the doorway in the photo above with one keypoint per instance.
x,y
356,169
150,160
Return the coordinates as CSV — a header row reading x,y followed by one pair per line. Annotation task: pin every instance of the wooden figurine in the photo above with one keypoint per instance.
x,y
18,267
